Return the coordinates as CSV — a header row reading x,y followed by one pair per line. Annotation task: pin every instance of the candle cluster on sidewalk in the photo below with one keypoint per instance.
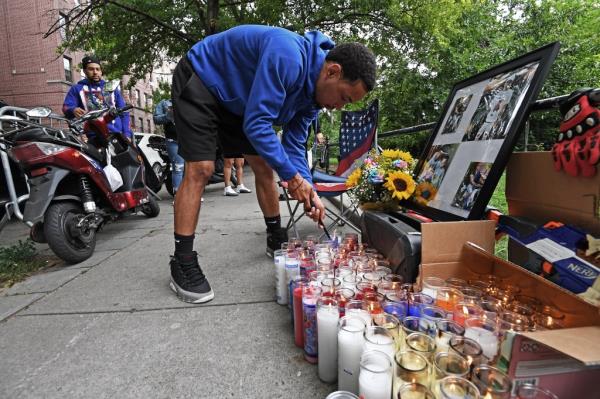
x,y
380,337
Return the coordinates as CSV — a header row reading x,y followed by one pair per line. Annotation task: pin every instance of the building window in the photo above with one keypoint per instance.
x,y
149,127
132,122
67,68
138,96
63,21
141,125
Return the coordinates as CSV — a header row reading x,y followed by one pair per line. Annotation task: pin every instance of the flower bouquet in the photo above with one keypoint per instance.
x,y
383,179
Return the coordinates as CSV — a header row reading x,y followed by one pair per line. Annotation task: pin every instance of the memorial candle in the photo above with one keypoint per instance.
x,y
431,285
299,284
446,329
327,333
457,388
310,295
448,364
350,347
375,379
409,367
380,339
447,297
486,333
414,391
416,301
357,308
463,311
281,293
491,382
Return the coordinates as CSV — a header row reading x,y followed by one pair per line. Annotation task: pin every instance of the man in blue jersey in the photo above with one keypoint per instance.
x,y
231,88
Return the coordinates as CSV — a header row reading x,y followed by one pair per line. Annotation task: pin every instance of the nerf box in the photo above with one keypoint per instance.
x,y
566,361
559,211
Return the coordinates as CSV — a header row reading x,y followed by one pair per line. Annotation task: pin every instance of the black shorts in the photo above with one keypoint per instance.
x,y
202,122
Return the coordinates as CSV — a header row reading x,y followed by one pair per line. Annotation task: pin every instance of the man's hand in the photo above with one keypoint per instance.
x,y
301,190
79,112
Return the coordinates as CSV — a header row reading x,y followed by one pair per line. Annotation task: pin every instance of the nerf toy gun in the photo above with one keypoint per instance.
x,y
557,251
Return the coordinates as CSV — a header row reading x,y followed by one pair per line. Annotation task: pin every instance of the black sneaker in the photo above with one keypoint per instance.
x,y
188,281
275,239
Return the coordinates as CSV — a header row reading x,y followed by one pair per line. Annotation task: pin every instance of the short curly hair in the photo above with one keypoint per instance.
x,y
357,61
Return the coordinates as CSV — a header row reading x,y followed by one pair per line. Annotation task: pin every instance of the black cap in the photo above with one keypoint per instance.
x,y
89,59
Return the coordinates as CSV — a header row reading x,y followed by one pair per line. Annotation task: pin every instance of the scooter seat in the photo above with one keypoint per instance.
x,y
32,134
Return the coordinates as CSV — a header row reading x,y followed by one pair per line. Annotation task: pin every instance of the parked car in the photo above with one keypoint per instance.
x,y
154,158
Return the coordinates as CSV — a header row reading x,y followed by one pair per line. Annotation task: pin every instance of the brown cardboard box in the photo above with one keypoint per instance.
x,y
535,190
446,253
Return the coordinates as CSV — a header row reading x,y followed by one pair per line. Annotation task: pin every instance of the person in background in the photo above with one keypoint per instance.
x,y
89,94
233,87
163,116
229,191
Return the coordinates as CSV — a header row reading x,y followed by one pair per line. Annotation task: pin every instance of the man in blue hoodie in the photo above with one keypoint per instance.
x,y
89,95
233,87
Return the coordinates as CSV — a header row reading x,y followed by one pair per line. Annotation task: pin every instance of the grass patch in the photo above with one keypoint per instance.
x,y
498,200
18,261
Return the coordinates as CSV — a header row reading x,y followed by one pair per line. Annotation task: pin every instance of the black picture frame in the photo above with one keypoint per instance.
x,y
471,143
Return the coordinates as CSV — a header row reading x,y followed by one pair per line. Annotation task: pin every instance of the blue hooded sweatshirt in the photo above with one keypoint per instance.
x,y
91,96
267,76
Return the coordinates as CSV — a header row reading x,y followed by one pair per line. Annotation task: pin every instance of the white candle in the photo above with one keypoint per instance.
x,y
375,379
327,327
361,313
281,288
485,338
442,342
380,342
350,346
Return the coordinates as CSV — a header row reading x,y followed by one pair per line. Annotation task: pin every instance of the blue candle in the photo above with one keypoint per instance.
x,y
397,309
415,301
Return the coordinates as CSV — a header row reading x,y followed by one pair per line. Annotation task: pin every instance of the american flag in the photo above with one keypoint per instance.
x,y
357,132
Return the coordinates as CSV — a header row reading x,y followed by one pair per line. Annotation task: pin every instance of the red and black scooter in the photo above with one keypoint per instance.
x,y
70,195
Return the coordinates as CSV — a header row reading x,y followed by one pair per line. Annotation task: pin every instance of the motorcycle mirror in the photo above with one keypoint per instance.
x,y
39,112
112,85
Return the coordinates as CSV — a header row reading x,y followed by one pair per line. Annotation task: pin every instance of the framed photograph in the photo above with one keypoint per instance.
x,y
479,126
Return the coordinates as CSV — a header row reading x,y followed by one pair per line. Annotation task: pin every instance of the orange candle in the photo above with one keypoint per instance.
x,y
447,298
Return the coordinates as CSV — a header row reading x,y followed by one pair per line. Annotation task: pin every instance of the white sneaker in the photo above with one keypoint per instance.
x,y
243,189
230,192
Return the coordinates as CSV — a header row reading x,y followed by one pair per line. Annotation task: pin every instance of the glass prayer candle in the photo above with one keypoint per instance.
x,y
457,283
396,308
529,301
463,311
382,270
396,279
530,391
343,296
310,296
471,295
341,395
281,288
386,287
350,347
291,270
310,241
446,329
390,323
457,388
298,286
410,367
350,282
356,308
375,378
447,298
380,339
512,321
364,287
294,243
412,324
372,277
486,333
433,313
416,301
342,272
491,309
431,285
327,332
330,285
467,348
480,285
421,343
447,365
521,309
373,301
491,382
549,318
414,391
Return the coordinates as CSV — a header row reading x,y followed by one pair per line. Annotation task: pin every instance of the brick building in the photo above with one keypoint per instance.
x,y
32,73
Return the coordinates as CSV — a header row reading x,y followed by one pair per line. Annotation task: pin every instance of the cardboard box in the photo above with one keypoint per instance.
x,y
565,361
536,191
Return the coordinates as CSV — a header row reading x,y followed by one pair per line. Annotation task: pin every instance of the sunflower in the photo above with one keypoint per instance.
x,y
405,156
354,178
391,154
400,184
425,192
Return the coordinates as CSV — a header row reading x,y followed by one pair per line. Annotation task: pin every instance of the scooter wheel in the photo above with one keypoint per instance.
x,y
65,239
151,208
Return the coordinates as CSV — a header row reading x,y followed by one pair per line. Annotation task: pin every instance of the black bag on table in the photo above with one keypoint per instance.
x,y
395,239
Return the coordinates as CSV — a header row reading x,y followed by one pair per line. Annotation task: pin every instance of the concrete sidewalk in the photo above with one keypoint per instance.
x,y
110,327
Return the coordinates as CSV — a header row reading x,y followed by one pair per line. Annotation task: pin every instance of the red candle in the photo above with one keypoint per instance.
x,y
298,322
